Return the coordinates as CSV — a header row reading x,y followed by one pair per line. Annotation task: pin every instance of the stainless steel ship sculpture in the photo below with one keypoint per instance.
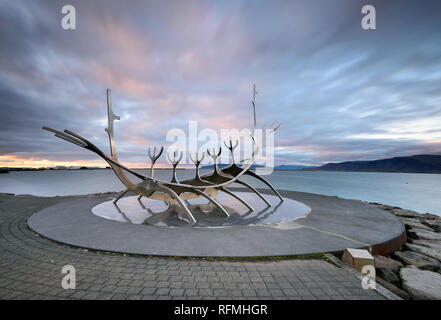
x,y
175,192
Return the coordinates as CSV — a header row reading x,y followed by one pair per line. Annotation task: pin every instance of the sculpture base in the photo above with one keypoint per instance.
x,y
158,213
333,225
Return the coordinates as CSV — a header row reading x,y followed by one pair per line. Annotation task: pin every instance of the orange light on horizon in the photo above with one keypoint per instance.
x,y
13,161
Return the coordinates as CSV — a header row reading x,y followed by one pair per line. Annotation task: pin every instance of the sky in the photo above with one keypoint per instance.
x,y
341,93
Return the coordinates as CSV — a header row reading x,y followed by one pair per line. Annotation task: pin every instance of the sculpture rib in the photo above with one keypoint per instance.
x,y
250,173
213,201
254,190
181,203
233,169
237,197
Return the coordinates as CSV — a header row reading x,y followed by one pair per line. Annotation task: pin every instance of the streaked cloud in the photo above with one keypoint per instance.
x,y
341,93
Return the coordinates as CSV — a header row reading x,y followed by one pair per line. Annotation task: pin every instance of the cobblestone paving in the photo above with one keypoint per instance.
x,y
30,268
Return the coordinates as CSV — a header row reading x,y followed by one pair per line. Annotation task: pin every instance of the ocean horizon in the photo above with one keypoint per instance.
x,y
413,191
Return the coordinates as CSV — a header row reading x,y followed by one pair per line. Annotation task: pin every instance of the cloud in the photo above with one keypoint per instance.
x,y
342,93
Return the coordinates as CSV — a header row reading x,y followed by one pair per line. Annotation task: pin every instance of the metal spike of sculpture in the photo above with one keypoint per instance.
x,y
175,163
176,193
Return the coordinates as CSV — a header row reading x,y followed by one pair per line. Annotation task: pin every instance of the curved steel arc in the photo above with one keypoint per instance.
x,y
213,201
265,182
181,203
233,169
237,197
217,176
254,190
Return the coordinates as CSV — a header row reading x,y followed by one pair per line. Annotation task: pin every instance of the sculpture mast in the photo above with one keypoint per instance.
x,y
254,106
111,117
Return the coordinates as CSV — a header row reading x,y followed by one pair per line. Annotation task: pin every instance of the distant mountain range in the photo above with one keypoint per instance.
x,y
415,164
282,167
292,167
223,165
410,164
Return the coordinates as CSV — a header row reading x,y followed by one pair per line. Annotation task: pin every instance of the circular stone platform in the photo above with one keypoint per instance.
x,y
303,224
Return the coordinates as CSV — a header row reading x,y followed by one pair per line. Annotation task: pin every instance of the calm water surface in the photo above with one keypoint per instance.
x,y
414,191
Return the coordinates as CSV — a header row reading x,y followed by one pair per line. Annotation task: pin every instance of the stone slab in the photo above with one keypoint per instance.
x,y
430,252
418,260
421,284
421,234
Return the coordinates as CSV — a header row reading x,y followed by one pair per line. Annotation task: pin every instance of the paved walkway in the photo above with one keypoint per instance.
x,y
30,268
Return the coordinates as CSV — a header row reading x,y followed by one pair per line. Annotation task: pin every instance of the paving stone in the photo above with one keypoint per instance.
x,y
276,292
191,292
205,292
162,291
216,285
134,290
148,291
120,290
202,285
176,292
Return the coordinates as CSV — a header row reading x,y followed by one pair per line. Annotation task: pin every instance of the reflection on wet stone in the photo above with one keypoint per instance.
x,y
159,213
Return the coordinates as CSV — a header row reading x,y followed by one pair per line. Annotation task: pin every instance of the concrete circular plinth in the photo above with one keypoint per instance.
x,y
331,225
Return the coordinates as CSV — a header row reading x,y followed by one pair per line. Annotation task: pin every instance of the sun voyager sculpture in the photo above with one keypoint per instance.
x,y
174,192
